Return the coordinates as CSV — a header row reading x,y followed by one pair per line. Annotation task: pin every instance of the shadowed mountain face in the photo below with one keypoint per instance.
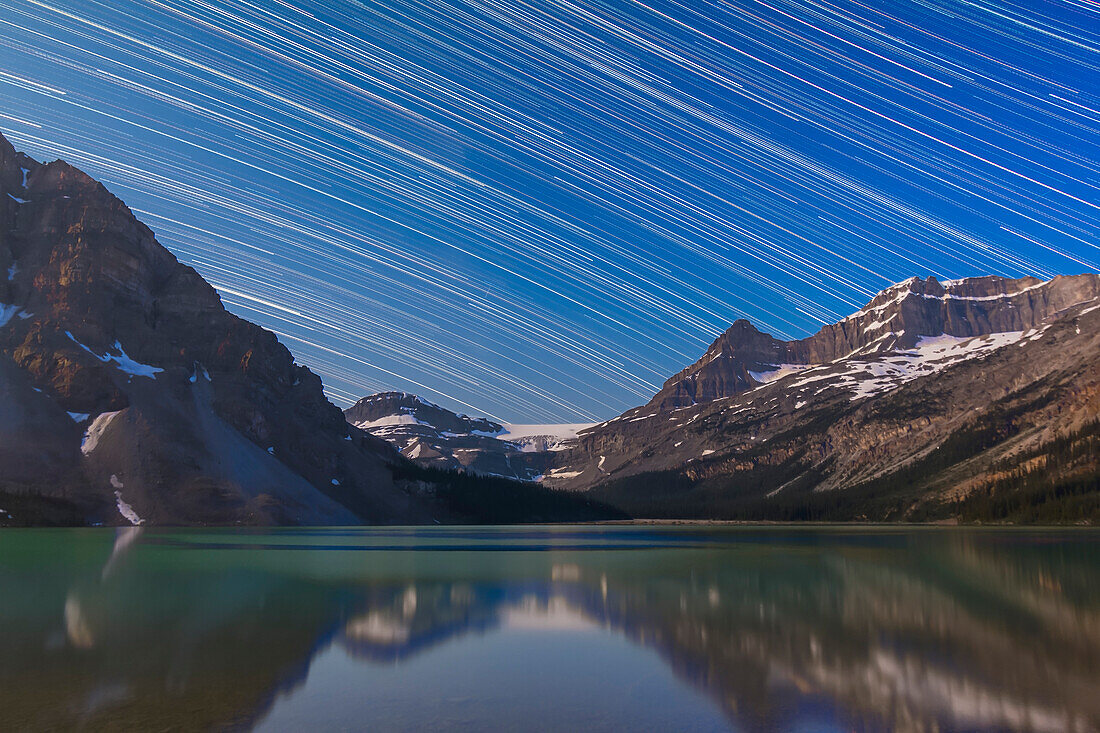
x,y
130,394
779,628
974,399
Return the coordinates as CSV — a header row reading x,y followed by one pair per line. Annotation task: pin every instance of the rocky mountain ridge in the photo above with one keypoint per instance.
x,y
129,395
894,320
383,407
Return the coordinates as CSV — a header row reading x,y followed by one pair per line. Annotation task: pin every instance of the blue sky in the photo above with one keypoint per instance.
x,y
541,211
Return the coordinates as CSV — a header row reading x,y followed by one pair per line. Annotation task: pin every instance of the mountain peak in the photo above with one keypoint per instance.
x,y
7,150
740,330
995,398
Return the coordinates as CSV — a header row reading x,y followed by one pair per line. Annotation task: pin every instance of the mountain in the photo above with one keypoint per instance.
x,y
973,399
895,320
128,394
435,437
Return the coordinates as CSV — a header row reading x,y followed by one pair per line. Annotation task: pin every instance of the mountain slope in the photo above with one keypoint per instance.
x,y
933,401
128,391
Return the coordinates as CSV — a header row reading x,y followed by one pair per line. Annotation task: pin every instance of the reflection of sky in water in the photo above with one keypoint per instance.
x,y
546,667
551,629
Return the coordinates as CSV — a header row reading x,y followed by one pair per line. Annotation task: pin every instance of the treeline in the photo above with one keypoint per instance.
x,y
1065,489
495,500
671,495
32,509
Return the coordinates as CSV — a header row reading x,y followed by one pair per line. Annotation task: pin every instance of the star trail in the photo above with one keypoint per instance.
x,y
538,211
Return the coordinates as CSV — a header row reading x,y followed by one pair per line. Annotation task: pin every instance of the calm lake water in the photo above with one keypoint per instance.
x,y
550,628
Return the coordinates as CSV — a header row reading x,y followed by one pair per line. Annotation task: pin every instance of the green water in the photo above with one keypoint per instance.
x,y
556,629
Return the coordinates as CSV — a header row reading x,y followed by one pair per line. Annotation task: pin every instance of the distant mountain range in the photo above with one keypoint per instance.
x,y
970,399
434,436
129,395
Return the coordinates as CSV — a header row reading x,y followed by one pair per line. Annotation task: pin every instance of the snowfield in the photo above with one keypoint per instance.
x,y
543,437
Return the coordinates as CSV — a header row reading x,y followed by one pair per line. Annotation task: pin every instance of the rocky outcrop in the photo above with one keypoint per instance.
x,y
125,381
725,369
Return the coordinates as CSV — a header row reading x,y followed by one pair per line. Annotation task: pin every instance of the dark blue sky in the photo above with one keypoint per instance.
x,y
539,211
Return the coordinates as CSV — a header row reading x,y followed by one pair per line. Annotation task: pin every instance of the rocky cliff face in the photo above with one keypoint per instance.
x,y
725,369
127,389
971,399
895,319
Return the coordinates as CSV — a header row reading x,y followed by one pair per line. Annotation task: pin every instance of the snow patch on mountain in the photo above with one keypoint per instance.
x,y
561,473
124,508
389,420
1000,296
889,370
7,312
542,437
122,360
95,431
779,371
131,366
903,290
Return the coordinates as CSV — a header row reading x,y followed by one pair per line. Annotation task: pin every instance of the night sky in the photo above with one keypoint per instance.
x,y
539,211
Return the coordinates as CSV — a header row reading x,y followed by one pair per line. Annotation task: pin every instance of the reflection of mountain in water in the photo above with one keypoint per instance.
x,y
397,623
911,630
146,645
969,636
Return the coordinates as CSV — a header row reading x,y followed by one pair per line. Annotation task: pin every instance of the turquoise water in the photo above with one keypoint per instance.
x,y
550,628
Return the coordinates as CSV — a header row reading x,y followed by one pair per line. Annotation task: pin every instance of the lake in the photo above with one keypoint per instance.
x,y
559,628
